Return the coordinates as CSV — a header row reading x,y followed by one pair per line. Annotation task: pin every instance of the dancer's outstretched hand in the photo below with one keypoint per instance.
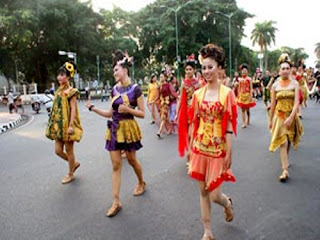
x,y
88,104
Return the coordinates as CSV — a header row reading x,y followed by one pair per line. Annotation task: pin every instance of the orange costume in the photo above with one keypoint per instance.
x,y
245,99
188,88
210,121
303,89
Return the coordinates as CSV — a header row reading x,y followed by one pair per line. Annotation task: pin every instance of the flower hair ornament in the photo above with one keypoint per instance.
x,y
200,59
70,68
126,60
191,58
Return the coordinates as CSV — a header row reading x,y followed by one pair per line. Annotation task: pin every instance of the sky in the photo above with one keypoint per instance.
x,y
295,20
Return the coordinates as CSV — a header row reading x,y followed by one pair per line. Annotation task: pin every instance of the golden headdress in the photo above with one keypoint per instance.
x,y
284,57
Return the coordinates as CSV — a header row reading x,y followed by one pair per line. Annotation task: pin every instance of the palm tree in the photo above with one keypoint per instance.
x,y
296,54
317,50
264,34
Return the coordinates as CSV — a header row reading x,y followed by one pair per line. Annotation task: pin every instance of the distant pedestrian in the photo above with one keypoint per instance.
x,y
87,90
11,105
153,97
19,103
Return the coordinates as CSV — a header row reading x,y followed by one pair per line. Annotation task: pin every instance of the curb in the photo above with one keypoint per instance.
x,y
5,127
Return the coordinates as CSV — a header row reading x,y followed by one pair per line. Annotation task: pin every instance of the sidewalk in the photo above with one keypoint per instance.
x,y
8,121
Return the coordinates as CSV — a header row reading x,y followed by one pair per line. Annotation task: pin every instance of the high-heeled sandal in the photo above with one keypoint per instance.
x,y
67,179
140,189
284,176
229,213
208,237
115,208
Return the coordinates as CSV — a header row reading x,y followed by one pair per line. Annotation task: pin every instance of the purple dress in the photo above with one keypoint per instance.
x,y
123,132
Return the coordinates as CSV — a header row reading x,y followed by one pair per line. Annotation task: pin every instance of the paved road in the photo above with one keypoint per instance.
x,y
34,205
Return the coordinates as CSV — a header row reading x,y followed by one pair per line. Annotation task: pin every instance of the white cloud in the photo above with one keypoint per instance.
x,y
296,20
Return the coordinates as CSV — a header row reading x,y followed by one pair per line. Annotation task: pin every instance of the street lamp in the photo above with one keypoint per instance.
x,y
176,27
229,16
72,55
260,57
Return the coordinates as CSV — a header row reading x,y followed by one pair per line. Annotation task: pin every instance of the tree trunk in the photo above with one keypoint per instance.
x,y
16,70
266,60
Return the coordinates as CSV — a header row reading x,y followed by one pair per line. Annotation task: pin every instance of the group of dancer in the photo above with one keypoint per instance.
x,y
204,109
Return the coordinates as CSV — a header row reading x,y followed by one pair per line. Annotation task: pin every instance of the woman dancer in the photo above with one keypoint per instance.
x,y
285,125
123,132
213,115
200,78
152,97
189,85
245,100
64,126
166,94
173,101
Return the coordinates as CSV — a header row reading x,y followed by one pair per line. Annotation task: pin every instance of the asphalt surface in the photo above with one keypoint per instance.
x,y
35,205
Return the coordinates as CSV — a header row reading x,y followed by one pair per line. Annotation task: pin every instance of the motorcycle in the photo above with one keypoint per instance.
x,y
36,107
47,101
35,104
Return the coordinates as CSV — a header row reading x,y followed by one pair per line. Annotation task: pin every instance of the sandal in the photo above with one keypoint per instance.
x,y
229,214
115,208
140,189
243,126
159,136
67,179
284,176
208,237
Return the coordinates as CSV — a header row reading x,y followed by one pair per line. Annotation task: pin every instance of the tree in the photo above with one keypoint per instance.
x,y
264,34
32,33
198,24
296,54
273,57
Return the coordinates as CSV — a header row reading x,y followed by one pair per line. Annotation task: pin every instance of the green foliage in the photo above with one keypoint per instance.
x,y
198,23
296,54
33,31
264,35
247,56
273,57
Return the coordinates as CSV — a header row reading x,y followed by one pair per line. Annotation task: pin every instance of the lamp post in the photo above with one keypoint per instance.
x,y
177,35
98,68
229,16
72,55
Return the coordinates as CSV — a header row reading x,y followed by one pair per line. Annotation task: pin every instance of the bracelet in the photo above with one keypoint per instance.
x,y
229,132
90,108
